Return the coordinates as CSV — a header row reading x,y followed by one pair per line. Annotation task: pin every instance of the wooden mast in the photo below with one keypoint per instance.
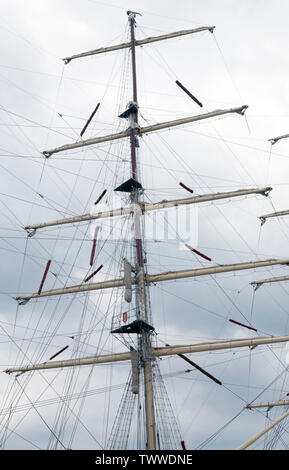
x,y
261,433
273,214
145,340
257,284
146,130
153,278
155,352
268,404
141,42
145,207
274,140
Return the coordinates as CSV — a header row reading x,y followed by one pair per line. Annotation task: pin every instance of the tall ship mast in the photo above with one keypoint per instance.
x,y
145,417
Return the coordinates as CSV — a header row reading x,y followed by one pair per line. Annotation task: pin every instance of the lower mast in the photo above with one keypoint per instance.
x,y
145,341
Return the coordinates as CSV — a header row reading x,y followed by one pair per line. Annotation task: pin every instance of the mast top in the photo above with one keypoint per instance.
x,y
132,14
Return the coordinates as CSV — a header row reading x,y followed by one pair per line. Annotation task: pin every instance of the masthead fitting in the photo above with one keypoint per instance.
x,y
263,220
242,110
267,192
256,285
47,154
22,302
30,232
132,14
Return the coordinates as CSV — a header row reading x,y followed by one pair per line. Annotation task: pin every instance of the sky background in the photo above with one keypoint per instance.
x,y
45,103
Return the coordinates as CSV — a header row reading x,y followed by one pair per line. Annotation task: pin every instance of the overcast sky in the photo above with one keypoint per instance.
x,y
45,103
